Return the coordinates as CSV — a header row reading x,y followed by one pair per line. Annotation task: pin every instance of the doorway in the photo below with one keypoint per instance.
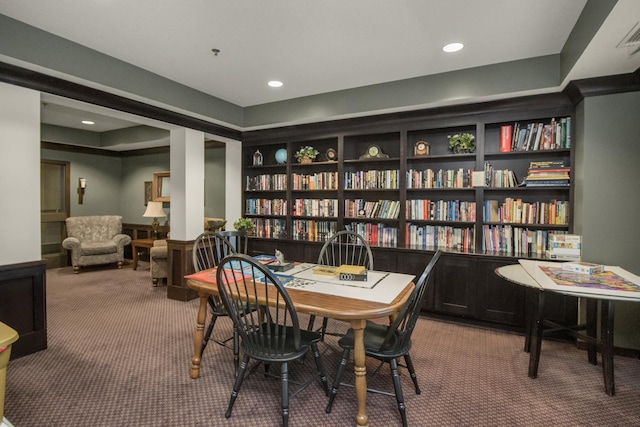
x,y
54,210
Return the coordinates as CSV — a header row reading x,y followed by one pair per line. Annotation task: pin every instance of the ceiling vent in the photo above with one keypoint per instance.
x,y
631,41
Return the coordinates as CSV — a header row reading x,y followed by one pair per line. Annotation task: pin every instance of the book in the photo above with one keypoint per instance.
x,y
552,164
352,272
326,271
506,133
583,267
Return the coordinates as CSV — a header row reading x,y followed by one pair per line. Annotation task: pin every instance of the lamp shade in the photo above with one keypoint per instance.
x,y
154,210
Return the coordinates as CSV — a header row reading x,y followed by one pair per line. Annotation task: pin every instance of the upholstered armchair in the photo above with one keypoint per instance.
x,y
158,260
95,240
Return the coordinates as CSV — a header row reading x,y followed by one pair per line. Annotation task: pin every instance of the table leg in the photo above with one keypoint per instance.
x,y
606,330
198,336
360,370
536,336
134,249
592,329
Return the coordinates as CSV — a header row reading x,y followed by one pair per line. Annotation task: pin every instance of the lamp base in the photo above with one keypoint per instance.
x,y
154,225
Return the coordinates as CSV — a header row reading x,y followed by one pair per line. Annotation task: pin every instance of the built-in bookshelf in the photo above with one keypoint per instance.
x,y
384,184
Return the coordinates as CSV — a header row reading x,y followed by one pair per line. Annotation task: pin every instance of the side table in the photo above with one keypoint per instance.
x,y
140,243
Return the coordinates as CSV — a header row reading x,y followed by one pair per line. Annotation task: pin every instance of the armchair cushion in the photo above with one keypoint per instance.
x,y
95,240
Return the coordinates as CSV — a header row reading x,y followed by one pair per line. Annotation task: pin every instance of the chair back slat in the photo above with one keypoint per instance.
x,y
209,249
346,247
271,332
239,240
399,333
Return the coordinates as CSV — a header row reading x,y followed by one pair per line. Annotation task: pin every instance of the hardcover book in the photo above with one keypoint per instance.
x,y
352,272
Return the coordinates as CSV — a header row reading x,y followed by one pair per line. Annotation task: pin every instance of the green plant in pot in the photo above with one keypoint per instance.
x,y
462,143
306,154
244,225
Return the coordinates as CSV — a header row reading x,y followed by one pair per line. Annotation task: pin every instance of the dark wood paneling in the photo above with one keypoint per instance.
x,y
180,265
23,305
455,286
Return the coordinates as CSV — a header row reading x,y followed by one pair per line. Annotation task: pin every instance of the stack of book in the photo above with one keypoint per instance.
x,y
547,174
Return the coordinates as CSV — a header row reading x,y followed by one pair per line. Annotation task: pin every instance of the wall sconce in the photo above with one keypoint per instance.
x,y
82,184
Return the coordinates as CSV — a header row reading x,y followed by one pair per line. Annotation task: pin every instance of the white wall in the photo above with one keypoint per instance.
x,y
19,174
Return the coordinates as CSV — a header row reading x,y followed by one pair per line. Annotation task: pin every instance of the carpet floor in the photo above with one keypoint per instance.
x,y
119,354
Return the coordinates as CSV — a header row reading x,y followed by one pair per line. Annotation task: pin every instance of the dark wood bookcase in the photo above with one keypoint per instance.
x,y
297,219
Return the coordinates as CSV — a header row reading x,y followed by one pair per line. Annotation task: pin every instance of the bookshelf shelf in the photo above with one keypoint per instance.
x,y
440,178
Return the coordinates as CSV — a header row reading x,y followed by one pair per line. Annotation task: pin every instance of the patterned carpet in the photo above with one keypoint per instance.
x,y
119,354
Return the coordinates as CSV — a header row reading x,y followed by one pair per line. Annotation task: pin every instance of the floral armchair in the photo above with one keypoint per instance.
x,y
95,240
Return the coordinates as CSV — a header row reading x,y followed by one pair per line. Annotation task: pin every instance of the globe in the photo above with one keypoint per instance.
x,y
281,155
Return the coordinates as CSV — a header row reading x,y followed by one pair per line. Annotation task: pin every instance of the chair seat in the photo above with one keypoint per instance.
x,y
98,248
287,352
374,338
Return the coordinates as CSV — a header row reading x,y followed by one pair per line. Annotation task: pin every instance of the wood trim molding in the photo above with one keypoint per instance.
x,y
41,82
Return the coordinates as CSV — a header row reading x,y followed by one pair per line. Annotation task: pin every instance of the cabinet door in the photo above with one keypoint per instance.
x,y
455,286
499,300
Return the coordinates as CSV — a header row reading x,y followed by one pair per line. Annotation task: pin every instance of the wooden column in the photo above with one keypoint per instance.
x,y
180,264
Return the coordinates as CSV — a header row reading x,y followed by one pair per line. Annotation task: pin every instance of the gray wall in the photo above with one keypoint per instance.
x,y
103,175
607,196
115,185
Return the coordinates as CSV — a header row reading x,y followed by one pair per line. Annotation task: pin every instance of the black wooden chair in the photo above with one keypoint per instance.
x,y
239,240
344,247
271,334
387,343
209,249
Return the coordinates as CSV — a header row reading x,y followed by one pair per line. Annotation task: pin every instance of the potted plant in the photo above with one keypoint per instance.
x,y
462,143
306,154
244,225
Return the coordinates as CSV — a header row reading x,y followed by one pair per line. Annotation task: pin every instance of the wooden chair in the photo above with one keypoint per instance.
x,y
344,247
239,240
271,334
388,343
208,251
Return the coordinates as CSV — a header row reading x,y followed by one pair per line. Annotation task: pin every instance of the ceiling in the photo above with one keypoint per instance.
x,y
318,47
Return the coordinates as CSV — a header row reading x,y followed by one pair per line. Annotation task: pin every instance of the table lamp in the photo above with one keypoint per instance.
x,y
155,211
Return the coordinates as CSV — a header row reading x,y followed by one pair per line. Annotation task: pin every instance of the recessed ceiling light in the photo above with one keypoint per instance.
x,y
453,47
88,122
275,83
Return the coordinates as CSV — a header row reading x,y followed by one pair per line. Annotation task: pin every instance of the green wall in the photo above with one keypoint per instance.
x,y
607,197
115,185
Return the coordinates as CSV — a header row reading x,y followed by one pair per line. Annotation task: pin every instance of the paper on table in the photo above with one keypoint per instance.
x,y
615,281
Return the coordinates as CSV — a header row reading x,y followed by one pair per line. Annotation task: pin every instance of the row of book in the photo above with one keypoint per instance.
x,y
441,210
499,178
554,135
555,212
316,181
548,174
388,209
375,234
312,230
315,207
266,206
266,182
511,240
450,178
419,236
372,180
270,228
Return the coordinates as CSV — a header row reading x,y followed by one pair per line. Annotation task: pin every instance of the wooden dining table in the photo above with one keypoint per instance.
x,y
384,298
